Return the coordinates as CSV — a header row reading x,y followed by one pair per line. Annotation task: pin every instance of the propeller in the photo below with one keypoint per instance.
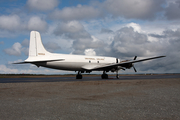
x,y
135,57
134,69
133,64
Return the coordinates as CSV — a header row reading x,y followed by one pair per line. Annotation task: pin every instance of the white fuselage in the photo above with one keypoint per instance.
x,y
77,62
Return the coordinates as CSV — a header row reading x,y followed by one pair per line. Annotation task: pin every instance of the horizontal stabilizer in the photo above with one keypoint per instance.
x,y
39,60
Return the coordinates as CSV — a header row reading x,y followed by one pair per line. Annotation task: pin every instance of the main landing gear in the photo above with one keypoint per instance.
x,y
79,76
104,75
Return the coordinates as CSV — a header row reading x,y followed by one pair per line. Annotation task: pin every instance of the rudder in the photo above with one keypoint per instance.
x,y
36,47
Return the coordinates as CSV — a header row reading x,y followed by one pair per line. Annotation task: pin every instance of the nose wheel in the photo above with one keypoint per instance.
x,y
117,76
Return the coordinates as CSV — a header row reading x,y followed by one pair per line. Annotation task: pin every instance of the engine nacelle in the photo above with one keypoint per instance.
x,y
117,68
129,66
113,70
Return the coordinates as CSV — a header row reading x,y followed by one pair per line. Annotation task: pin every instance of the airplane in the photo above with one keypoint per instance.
x,y
39,56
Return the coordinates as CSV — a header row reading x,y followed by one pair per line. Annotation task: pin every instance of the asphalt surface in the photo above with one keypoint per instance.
x,y
151,97
89,78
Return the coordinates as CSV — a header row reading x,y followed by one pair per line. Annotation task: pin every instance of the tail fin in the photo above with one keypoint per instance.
x,y
36,47
37,52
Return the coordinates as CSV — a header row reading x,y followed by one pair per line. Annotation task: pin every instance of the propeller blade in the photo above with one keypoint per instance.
x,y
134,69
135,57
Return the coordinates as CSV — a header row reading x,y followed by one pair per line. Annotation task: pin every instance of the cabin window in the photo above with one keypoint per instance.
x,y
97,61
89,61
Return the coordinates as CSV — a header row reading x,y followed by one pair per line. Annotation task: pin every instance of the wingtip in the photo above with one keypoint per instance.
x,y
20,63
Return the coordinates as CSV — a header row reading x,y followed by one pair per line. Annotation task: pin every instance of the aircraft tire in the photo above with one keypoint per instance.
x,y
104,76
78,76
117,76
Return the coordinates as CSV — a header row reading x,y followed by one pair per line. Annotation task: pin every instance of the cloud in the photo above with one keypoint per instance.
x,y
25,50
129,43
25,47
15,23
1,42
4,69
90,52
171,39
133,9
27,68
25,43
105,30
10,23
82,40
82,44
167,34
18,48
14,50
36,23
42,5
52,46
135,26
68,28
137,9
75,13
171,12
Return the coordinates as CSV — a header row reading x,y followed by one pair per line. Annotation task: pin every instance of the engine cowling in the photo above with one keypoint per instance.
x,y
117,68
129,66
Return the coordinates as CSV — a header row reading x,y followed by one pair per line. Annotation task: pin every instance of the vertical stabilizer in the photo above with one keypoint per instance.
x,y
36,47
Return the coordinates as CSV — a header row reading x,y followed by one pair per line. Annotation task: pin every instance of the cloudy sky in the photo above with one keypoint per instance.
x,y
115,28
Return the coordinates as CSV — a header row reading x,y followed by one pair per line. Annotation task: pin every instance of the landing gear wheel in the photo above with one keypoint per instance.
x,y
104,76
78,76
117,76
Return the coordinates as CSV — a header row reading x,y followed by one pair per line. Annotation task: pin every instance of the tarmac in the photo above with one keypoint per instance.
x,y
137,97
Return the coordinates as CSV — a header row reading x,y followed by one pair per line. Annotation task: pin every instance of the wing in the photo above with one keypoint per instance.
x,y
122,64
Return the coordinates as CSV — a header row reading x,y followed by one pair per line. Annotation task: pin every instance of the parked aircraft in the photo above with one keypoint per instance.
x,y
39,56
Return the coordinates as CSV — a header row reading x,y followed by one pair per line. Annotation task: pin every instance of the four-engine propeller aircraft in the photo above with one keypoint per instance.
x,y
81,63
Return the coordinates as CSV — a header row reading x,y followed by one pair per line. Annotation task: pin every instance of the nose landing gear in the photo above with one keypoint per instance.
x,y
117,76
